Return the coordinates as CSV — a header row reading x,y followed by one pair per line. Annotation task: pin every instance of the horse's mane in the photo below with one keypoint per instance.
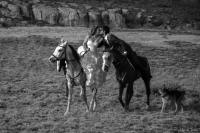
x,y
77,57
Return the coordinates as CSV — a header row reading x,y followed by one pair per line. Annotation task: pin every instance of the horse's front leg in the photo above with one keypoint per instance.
x,y
83,95
93,101
129,94
66,86
121,89
70,92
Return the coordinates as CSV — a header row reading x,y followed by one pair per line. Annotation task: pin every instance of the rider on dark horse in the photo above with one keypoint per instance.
x,y
122,47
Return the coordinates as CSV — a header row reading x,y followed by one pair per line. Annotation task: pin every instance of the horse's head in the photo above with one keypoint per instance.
x,y
59,52
107,60
99,42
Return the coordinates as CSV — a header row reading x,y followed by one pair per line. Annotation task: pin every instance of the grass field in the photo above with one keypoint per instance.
x,y
32,93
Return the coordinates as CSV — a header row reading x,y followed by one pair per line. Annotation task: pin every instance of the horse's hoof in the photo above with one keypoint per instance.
x,y
175,112
148,107
66,113
91,110
126,109
87,110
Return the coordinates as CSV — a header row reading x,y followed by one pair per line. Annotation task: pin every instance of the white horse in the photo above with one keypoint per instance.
x,y
73,70
92,64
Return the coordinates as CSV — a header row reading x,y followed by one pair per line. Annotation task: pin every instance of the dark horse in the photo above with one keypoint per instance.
x,y
126,74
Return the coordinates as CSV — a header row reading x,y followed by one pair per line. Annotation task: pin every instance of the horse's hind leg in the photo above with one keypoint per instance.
x,y
148,91
129,94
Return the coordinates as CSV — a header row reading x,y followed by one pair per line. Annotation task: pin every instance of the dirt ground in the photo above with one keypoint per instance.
x,y
32,93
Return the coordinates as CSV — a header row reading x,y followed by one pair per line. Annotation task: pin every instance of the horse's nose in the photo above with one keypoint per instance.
x,y
51,59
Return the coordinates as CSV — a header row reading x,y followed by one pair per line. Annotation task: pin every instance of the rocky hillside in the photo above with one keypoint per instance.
x,y
164,14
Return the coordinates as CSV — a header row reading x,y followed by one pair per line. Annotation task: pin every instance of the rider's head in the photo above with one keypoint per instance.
x,y
105,29
93,30
96,30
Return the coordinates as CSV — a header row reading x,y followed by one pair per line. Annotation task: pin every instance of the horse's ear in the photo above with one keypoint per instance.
x,y
62,40
65,42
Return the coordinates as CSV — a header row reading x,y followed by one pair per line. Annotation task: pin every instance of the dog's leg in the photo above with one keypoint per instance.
x,y
181,104
70,92
176,106
163,105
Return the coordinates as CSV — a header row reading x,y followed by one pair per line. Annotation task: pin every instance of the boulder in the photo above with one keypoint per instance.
x,y
4,4
46,13
7,22
196,25
140,18
68,16
74,5
4,12
105,17
2,20
35,1
155,21
116,18
190,2
130,18
15,11
87,7
83,18
94,18
26,10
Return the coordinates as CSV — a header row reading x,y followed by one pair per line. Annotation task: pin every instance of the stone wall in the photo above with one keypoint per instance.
x,y
18,13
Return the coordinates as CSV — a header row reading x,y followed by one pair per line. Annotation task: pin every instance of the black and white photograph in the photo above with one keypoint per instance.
x,y
99,66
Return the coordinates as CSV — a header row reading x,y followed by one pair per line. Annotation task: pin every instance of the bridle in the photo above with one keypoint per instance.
x,y
68,61
64,52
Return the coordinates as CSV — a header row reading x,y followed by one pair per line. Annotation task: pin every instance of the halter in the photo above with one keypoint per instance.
x,y
68,60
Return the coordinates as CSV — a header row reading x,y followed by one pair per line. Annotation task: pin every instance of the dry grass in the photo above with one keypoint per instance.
x,y
32,94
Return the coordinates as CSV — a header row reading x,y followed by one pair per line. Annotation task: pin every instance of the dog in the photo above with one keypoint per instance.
x,y
174,96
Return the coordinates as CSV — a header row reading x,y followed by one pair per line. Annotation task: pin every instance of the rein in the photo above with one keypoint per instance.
x,y
77,74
